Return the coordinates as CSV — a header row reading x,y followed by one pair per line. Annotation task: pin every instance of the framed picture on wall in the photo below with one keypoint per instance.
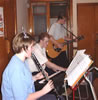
x,y
1,22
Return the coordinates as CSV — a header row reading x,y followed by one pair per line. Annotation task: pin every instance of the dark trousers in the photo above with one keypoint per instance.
x,y
50,97
61,60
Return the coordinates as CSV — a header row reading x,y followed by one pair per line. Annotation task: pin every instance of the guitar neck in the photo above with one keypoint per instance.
x,y
73,40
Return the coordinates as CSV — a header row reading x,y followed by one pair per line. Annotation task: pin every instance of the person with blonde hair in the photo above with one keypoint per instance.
x,y
17,80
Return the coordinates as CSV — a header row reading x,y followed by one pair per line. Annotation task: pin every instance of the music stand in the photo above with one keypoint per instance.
x,y
76,70
91,86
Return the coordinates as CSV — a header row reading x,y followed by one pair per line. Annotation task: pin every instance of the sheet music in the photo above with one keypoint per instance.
x,y
78,58
78,67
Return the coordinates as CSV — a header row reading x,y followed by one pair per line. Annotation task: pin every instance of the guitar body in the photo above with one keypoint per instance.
x,y
53,51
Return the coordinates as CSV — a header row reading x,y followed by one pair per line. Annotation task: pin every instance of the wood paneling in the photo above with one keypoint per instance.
x,y
96,35
3,56
9,32
86,27
1,2
3,59
10,21
10,18
45,0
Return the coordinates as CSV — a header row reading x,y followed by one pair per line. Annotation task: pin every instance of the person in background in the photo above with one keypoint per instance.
x,y
57,32
39,50
17,80
40,53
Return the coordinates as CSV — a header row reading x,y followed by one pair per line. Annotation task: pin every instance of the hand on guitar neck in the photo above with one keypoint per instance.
x,y
76,39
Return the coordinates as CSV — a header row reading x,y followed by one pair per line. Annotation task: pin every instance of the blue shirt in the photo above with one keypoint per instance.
x,y
17,81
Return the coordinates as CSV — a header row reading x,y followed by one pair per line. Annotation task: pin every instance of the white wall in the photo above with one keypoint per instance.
x,y
22,15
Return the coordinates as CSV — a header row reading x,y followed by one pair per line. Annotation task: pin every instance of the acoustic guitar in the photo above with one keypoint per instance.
x,y
53,51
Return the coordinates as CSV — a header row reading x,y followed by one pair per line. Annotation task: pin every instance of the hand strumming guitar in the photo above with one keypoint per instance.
x,y
60,45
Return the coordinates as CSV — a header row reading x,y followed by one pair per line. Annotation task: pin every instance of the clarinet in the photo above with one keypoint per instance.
x,y
40,69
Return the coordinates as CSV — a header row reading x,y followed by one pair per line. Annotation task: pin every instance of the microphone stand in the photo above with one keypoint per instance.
x,y
69,31
90,84
68,47
78,38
